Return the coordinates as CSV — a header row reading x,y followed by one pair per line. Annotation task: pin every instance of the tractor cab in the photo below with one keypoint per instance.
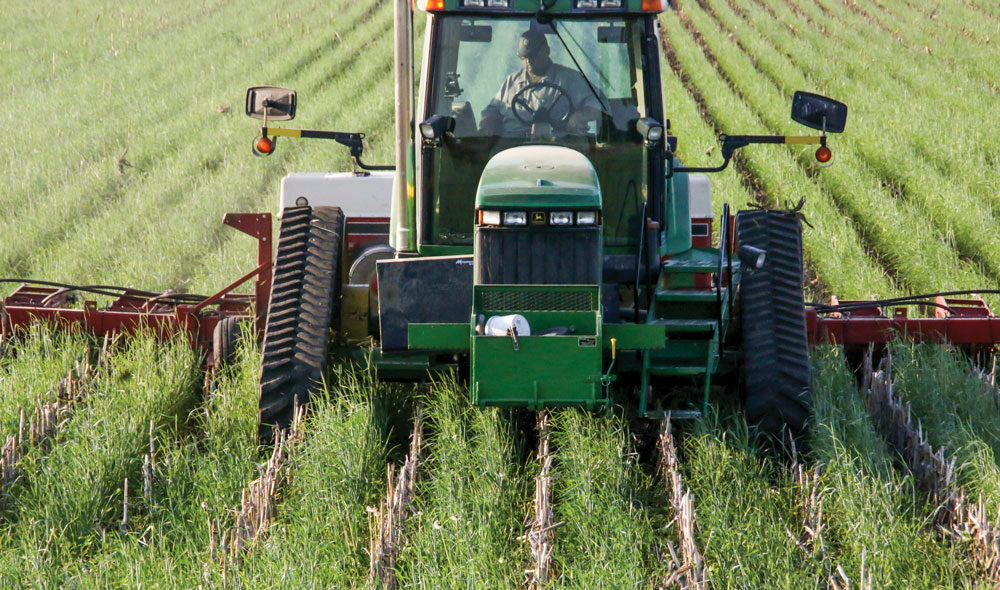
x,y
494,81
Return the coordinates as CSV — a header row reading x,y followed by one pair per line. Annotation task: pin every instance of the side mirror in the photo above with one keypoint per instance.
x,y
819,112
270,103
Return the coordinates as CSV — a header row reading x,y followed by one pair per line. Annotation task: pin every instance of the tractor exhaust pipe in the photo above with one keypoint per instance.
x,y
400,237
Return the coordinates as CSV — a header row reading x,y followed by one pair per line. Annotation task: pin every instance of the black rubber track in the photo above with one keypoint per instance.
x,y
305,301
776,369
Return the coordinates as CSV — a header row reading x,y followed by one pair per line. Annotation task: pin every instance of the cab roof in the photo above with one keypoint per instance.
x,y
500,8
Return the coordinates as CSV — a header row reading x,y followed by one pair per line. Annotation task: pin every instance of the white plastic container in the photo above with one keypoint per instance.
x,y
499,325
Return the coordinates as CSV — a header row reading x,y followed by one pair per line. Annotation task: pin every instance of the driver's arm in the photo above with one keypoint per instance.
x,y
583,116
491,119
588,107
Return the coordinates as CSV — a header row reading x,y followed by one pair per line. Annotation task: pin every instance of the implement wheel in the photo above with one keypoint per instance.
x,y
225,339
305,304
777,377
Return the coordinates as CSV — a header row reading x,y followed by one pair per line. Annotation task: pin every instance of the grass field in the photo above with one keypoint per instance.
x,y
128,144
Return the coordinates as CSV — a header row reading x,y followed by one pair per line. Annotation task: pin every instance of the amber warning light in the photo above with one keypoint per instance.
x,y
823,154
263,146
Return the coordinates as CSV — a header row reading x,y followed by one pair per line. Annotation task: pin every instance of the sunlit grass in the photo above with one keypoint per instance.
x,y
615,515
873,513
70,497
957,410
471,501
32,367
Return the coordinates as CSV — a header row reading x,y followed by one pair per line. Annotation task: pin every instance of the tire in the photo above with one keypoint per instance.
x,y
776,374
304,304
225,339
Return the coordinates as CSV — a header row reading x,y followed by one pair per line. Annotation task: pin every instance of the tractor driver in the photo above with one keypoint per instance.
x,y
541,93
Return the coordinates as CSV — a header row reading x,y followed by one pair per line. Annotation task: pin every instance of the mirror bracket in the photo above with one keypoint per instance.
x,y
353,141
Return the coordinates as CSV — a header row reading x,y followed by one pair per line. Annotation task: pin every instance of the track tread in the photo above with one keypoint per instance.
x,y
778,375
305,302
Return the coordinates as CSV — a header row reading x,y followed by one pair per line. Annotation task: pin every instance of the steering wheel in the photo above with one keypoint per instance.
x,y
527,115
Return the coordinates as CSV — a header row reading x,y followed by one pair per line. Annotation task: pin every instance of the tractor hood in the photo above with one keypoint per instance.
x,y
534,176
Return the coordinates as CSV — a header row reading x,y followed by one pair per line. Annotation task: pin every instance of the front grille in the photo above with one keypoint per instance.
x,y
520,301
538,256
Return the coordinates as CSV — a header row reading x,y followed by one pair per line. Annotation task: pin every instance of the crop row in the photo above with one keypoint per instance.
x,y
155,219
940,165
472,494
834,249
725,76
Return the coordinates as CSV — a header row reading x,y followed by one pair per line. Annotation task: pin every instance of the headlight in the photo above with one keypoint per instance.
x,y
561,218
586,218
515,218
498,3
489,218
476,3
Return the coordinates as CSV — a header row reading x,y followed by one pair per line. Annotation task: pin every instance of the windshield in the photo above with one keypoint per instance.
x,y
512,81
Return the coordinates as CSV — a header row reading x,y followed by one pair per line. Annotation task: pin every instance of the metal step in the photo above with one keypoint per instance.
x,y
688,295
693,261
686,325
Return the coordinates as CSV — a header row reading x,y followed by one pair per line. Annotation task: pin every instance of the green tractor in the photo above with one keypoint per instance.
x,y
536,229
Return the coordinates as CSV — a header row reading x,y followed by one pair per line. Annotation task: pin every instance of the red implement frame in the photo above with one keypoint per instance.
x,y
132,311
966,323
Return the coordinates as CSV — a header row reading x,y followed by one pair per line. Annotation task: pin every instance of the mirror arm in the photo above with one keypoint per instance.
x,y
731,143
353,141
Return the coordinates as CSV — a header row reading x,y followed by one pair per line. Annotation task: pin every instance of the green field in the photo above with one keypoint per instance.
x,y
127,144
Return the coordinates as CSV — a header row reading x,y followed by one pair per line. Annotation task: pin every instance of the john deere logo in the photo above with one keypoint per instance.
x,y
538,218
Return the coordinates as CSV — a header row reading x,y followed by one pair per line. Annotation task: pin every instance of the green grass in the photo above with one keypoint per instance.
x,y
30,373
957,410
150,225
746,507
922,259
199,476
69,500
471,502
836,253
891,143
873,513
320,536
615,515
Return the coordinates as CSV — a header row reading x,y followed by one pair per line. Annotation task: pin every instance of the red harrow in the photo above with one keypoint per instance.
x,y
965,323
209,322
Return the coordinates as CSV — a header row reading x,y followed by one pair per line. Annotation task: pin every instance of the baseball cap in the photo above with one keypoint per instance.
x,y
531,43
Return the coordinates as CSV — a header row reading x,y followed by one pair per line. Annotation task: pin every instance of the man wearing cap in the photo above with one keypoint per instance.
x,y
547,105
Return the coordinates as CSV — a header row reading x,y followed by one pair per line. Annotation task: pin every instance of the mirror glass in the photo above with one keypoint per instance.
x,y
278,104
811,109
